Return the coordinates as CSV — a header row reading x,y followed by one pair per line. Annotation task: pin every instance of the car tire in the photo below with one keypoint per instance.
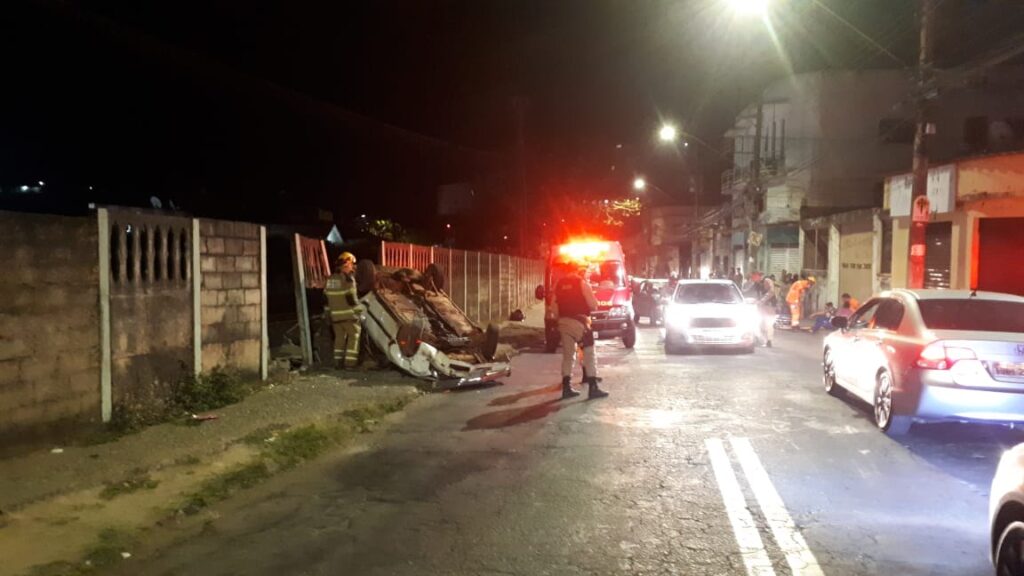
x,y
828,376
1007,556
490,344
882,407
629,337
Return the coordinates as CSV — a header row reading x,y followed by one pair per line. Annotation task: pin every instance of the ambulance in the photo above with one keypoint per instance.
x,y
606,272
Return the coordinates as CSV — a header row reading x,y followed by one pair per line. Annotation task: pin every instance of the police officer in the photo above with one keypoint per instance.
x,y
345,311
574,301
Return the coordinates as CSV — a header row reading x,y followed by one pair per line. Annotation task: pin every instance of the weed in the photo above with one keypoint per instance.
x,y
262,434
190,460
137,480
297,445
208,391
221,486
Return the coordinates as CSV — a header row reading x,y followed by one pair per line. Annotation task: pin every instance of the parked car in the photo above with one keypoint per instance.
x,y
709,314
649,300
931,355
1006,514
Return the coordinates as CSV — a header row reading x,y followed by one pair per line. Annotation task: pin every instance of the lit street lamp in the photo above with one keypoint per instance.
x,y
639,184
750,7
668,133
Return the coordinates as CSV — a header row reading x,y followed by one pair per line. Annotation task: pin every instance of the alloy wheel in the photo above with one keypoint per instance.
x,y
883,401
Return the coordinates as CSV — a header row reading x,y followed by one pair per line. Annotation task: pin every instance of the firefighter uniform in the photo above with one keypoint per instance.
x,y
346,312
574,301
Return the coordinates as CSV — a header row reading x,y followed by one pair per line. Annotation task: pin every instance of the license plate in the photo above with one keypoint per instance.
x,y
1009,368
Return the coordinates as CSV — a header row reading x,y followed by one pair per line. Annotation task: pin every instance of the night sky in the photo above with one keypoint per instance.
x,y
239,108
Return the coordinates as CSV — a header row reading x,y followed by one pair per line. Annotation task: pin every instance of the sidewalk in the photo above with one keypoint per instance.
x,y
62,505
55,505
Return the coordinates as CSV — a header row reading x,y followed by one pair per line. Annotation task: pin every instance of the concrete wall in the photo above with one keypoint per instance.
x,y
150,305
230,295
49,328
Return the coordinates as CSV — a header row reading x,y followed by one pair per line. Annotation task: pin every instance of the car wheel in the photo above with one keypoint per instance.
x,y
629,337
829,375
1009,553
886,421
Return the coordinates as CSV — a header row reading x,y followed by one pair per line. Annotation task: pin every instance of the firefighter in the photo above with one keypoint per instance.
x,y
795,298
345,311
573,303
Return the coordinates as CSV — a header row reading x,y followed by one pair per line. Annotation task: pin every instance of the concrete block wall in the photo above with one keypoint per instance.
x,y
49,326
230,297
150,305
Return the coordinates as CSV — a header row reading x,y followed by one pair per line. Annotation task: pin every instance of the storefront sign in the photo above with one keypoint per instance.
x,y
941,191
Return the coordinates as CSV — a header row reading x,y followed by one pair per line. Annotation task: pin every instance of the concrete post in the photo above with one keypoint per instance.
x,y
197,302
876,253
833,263
264,332
106,396
299,275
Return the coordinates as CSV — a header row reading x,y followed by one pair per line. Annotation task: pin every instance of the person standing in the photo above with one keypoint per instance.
x,y
573,303
795,299
767,303
345,311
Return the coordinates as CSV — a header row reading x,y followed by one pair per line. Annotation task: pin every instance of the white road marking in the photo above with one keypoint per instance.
x,y
798,555
755,557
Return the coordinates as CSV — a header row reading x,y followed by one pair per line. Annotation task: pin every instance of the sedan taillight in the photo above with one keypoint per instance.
x,y
939,356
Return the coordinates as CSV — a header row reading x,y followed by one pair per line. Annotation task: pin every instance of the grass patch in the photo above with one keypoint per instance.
x,y
298,445
262,434
220,487
281,450
190,460
105,552
137,480
108,548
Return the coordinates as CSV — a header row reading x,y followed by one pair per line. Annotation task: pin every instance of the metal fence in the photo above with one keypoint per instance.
x,y
488,287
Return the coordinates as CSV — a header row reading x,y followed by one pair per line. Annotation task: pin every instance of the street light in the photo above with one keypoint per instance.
x,y
639,184
750,7
668,133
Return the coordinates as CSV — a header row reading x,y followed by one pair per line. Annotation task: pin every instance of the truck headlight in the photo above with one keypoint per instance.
x,y
617,312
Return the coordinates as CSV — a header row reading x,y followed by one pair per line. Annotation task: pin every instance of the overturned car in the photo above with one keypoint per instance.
x,y
422,332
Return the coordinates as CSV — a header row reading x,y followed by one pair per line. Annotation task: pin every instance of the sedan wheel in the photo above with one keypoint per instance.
x,y
883,408
1010,551
829,374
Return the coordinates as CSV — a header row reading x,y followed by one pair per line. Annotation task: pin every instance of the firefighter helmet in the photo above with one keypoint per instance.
x,y
346,257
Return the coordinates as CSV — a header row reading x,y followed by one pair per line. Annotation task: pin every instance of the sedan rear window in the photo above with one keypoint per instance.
x,y
701,293
973,314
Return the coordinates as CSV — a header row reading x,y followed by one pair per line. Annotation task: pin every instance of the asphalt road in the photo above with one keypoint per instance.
x,y
696,464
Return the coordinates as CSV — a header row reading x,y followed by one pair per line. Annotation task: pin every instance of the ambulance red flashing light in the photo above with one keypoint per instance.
x,y
584,251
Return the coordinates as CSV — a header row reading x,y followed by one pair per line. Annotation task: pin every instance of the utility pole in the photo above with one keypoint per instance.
x,y
519,103
919,208
754,181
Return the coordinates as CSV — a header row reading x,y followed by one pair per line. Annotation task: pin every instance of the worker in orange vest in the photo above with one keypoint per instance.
x,y
795,298
853,303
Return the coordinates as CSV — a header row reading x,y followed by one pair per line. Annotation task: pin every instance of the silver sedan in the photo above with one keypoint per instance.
x,y
931,355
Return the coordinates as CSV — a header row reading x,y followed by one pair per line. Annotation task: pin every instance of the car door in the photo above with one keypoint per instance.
x,y
873,344
640,300
850,358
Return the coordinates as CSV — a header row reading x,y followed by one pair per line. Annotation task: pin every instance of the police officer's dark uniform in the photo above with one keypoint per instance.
x,y
574,301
